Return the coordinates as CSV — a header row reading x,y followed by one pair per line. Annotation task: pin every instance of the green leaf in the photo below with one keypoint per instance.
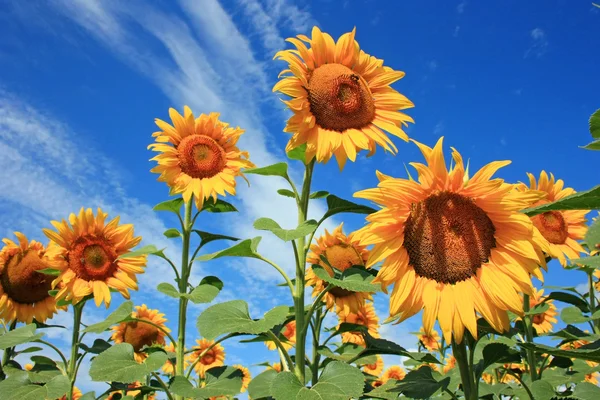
x,y
169,290
173,205
298,153
589,352
279,169
595,145
588,200
571,332
207,237
589,261
24,334
219,206
31,349
20,388
150,249
89,396
353,279
245,248
267,224
260,386
573,315
98,347
595,124
538,309
226,381
57,387
497,390
172,233
542,390
233,317
346,352
569,299
319,194
496,353
383,346
339,381
586,391
560,362
420,384
122,313
49,271
335,205
117,364
286,193
386,391
206,291
592,236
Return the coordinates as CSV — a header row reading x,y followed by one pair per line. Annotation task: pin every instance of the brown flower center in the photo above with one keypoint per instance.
x,y
397,375
372,366
539,318
21,282
140,334
339,98
92,258
209,358
448,237
341,257
552,226
201,156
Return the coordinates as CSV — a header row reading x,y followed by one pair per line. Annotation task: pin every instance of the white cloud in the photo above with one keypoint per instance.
x,y
539,43
456,31
432,65
439,128
460,8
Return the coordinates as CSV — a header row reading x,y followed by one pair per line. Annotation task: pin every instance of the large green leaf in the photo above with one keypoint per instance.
x,y
573,315
267,224
538,309
98,347
173,205
570,299
20,388
146,250
245,248
497,390
589,352
220,381
595,124
542,390
169,290
347,352
260,386
383,346
279,169
24,334
339,381
586,391
386,391
298,153
595,145
207,237
219,206
592,236
118,364
122,313
335,205
420,384
496,353
588,200
353,279
205,292
587,261
234,317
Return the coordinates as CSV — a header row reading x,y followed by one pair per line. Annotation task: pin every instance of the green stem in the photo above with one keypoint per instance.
x,y
300,268
7,353
186,228
282,350
163,385
316,305
531,360
56,349
459,350
72,369
316,337
593,302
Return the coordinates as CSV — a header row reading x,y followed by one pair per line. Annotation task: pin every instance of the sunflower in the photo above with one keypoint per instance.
x,y
275,366
89,257
24,291
289,332
488,378
431,340
449,363
341,98
246,377
198,156
542,322
140,334
374,369
393,372
76,394
132,391
557,232
169,366
592,377
214,357
365,316
342,252
451,245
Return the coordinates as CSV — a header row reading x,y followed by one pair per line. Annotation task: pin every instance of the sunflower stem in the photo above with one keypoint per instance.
x,y
531,360
592,291
7,352
316,337
186,228
459,351
300,267
72,371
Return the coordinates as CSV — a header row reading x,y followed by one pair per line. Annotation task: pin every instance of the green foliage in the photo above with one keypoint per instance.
x,y
205,292
19,387
117,364
218,206
224,380
383,346
24,334
172,233
319,194
286,193
234,317
353,279
173,205
146,250
592,236
298,153
573,315
260,386
279,169
589,352
267,224
594,129
569,298
245,248
496,353
588,200
98,347
122,313
335,205
207,237
421,384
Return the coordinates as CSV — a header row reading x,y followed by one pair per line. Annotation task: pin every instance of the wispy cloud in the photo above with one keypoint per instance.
x,y
539,43
460,8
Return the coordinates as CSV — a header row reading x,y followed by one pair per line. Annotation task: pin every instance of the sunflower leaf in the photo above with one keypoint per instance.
x,y
220,381
117,364
260,386
319,194
122,313
234,317
20,388
573,315
353,279
588,200
173,205
335,205
98,347
383,346
245,248
587,261
172,233
542,390
592,236
339,381
24,334
595,124
538,309
386,391
590,352
298,153
496,353
286,193
218,206
569,299
267,224
279,169
420,384
169,290
586,391
149,249
206,291
49,271
595,145
207,237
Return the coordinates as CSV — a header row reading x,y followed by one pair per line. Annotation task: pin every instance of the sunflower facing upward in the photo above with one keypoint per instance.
x,y
24,291
451,246
557,232
341,98
198,156
341,252
87,256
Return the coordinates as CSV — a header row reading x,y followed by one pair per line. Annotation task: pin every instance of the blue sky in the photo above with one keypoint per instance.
x,y
82,82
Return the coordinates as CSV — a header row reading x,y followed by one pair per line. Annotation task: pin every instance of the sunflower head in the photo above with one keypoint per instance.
x,y
214,357
198,156
341,98
341,252
556,232
246,377
88,252
452,246
449,363
275,366
542,322
289,333
394,372
76,394
430,340
374,369
365,316
169,366
23,290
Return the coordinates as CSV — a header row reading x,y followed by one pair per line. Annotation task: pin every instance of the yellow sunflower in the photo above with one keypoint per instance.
x,y
140,334
431,341
289,332
593,376
169,367
393,372
449,363
24,291
542,322
215,357
488,378
374,369
198,156
557,232
76,394
365,316
275,366
341,98
342,252
87,254
452,246
246,377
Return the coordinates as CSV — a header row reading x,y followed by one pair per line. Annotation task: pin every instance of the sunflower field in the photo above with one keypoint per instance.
x,y
459,245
